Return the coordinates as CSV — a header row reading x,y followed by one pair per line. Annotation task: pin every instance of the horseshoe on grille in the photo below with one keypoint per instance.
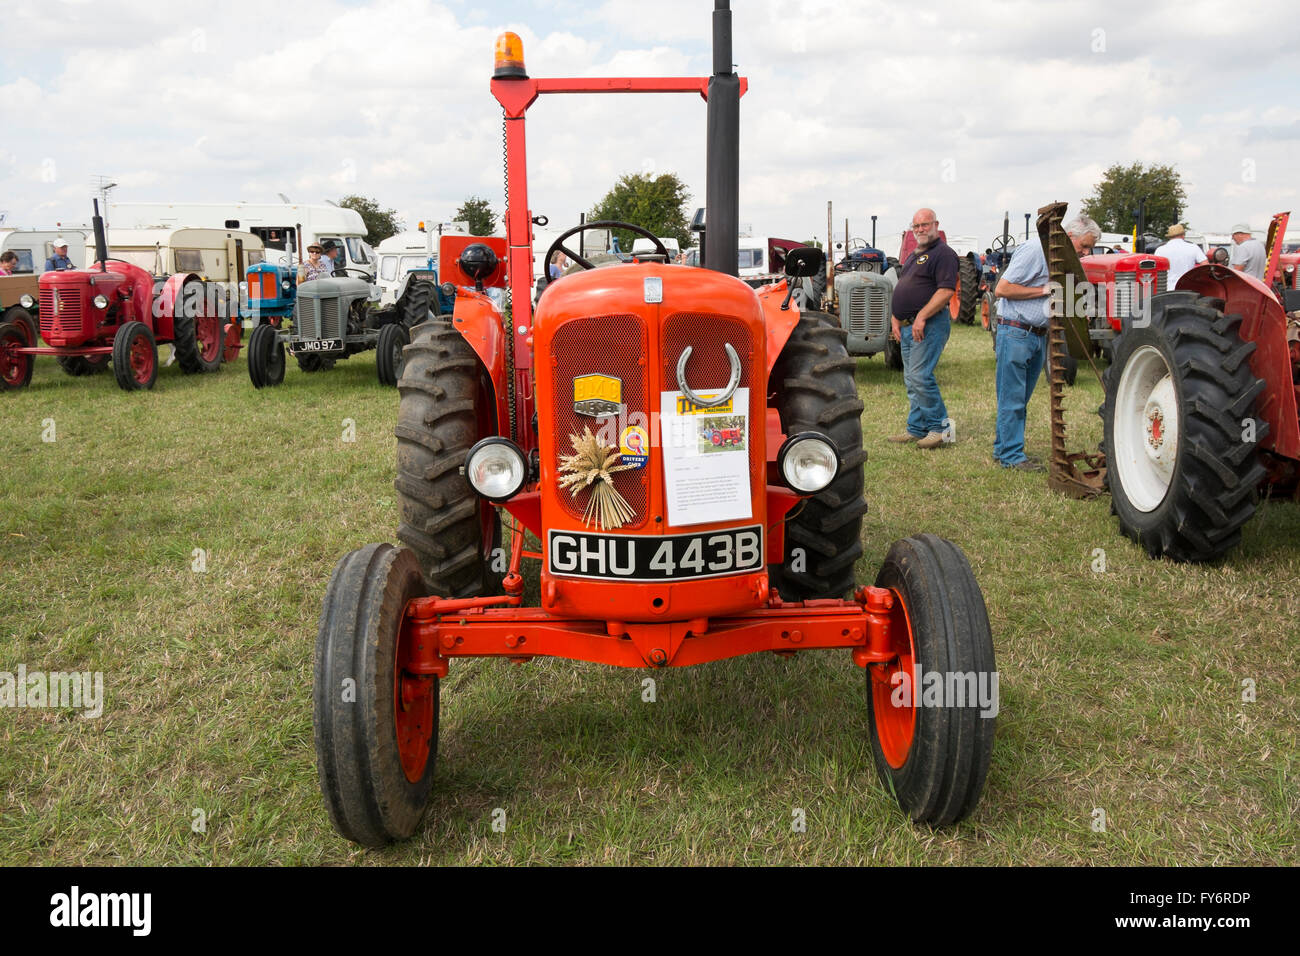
x,y
726,392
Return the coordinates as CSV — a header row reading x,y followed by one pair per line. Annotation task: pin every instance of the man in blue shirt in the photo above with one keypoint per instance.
x,y
59,261
1024,303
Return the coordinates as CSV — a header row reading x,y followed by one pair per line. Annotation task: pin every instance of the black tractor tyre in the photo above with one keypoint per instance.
x,y
135,339
16,372
388,355
359,759
78,365
937,769
816,392
446,406
1197,513
416,303
968,290
893,353
188,349
307,362
265,357
21,317
1069,365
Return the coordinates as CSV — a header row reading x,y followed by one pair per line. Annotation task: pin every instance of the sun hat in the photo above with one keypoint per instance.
x,y
1177,229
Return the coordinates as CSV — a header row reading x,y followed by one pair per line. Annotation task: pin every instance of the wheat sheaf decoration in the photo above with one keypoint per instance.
x,y
592,465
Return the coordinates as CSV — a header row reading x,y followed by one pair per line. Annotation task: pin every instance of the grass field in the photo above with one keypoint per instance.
x,y
1121,691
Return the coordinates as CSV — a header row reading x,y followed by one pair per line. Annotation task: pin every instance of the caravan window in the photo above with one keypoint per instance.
x,y
273,237
357,250
751,258
24,261
388,268
255,256
146,259
189,260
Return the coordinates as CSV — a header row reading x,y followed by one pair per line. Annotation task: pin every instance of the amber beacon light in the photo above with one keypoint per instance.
x,y
509,58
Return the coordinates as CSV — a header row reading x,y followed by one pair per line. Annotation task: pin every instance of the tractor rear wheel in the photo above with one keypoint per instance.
x,y
416,303
388,357
1180,429
199,336
265,356
376,723
446,406
20,316
135,357
933,755
15,369
78,365
965,299
816,392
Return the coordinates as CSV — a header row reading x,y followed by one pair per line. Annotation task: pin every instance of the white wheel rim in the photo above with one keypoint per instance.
x,y
1146,428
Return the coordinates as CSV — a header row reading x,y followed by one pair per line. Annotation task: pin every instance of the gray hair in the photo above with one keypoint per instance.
x,y
1083,226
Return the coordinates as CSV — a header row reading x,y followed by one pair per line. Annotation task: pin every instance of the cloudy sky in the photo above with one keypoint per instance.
x,y
970,107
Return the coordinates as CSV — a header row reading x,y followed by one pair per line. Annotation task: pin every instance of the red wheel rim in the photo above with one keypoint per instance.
x,y
412,709
896,725
141,360
207,335
13,367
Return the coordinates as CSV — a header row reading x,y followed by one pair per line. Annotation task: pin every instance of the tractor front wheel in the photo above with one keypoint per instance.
x,y
15,368
376,722
1181,433
446,406
932,707
135,357
265,356
393,338
816,392
20,316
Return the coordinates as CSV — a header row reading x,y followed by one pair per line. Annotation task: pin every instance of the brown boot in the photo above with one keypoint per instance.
x,y
902,438
932,440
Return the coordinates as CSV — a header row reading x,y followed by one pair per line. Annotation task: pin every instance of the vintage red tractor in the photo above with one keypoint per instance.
x,y
117,311
668,558
1200,415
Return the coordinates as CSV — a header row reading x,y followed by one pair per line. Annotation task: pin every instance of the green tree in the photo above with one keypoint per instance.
x,y
1114,201
475,211
380,223
656,203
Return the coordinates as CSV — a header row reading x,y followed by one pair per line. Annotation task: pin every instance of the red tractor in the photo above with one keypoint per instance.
x,y
1200,414
117,311
644,563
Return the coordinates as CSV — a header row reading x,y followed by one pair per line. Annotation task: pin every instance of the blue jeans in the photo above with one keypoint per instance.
x,y
1020,361
927,411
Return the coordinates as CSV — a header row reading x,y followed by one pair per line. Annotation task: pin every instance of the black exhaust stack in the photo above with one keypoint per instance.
x,y
722,182
101,241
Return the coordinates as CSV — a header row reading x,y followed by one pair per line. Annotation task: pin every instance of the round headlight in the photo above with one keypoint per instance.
x,y
101,301
449,290
496,468
285,285
809,462
27,302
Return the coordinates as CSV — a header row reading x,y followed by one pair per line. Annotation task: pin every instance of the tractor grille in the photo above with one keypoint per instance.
x,y
607,345
329,319
868,310
66,320
1126,286
318,319
263,286
1162,281
709,369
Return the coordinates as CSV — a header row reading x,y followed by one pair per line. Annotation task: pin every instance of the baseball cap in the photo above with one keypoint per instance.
x,y
1240,227
60,243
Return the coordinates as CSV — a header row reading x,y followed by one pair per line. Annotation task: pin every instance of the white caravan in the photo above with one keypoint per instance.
x,y
273,223
34,246
400,255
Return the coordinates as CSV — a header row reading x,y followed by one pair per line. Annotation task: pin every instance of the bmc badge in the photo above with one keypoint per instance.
x,y
599,396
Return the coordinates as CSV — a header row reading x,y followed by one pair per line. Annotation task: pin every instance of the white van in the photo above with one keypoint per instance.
x,y
34,246
273,223
399,255
643,246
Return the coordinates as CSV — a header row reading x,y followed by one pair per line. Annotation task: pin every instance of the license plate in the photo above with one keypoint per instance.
x,y
627,557
318,345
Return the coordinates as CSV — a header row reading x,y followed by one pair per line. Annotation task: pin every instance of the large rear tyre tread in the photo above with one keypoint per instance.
x,y
816,391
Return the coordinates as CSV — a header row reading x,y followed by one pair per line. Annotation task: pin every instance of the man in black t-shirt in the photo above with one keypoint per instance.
x,y
921,324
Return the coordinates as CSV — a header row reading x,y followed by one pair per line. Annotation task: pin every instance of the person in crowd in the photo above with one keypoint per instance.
x,y
316,266
59,261
1024,300
1183,256
921,325
8,262
1248,254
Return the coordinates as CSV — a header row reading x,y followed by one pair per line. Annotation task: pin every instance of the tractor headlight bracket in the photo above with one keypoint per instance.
x,y
496,469
808,462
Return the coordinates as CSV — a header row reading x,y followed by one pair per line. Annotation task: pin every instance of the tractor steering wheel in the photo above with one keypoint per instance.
x,y
559,246
1003,244
368,276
